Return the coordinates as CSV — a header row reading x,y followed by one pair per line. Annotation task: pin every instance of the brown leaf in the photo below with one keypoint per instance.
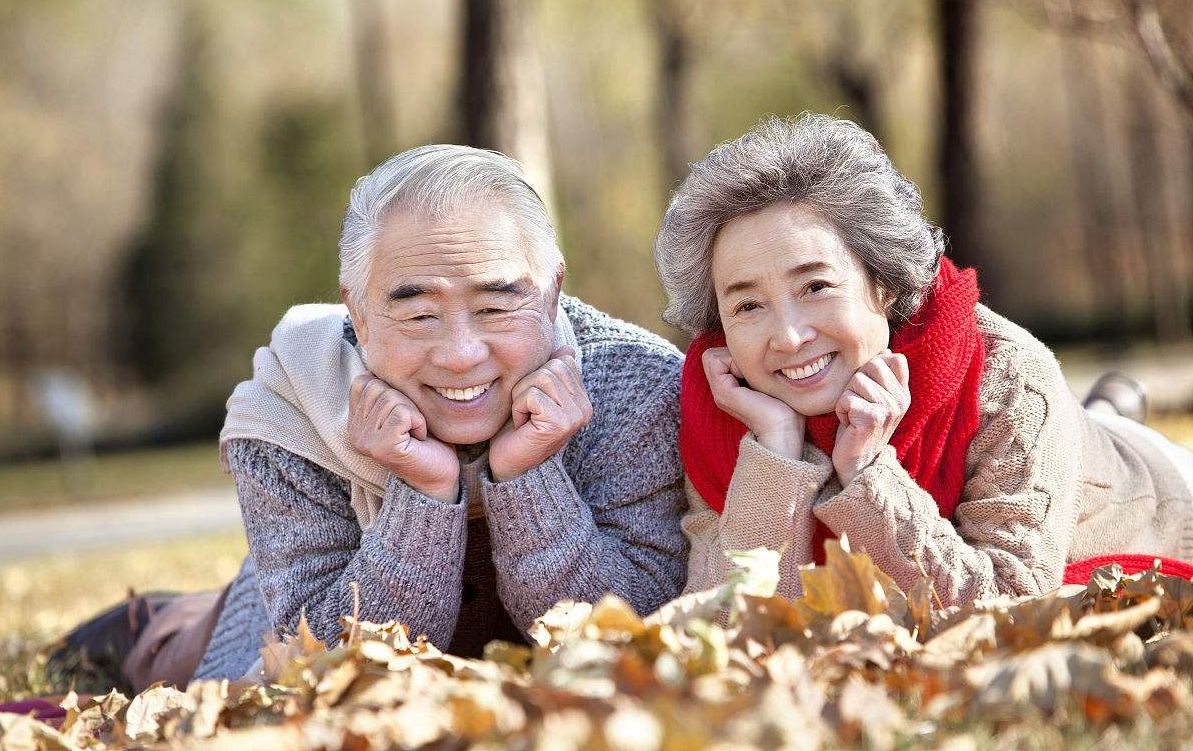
x,y
142,718
865,712
1045,680
561,622
964,640
612,619
846,581
21,733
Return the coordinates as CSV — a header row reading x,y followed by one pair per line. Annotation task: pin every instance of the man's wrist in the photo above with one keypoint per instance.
x,y
444,493
497,474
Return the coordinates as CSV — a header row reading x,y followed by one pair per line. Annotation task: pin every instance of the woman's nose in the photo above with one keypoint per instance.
x,y
788,333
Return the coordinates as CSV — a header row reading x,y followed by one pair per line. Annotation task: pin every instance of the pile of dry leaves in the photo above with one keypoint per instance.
x,y
855,661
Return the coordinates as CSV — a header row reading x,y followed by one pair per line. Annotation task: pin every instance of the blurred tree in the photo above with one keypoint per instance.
x,y
371,45
1167,41
672,109
1099,196
1162,33
502,92
960,176
179,304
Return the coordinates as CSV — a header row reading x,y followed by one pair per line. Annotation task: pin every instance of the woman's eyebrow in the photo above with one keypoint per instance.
x,y
811,267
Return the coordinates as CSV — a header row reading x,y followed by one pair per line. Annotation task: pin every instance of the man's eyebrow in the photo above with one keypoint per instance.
x,y
406,291
514,287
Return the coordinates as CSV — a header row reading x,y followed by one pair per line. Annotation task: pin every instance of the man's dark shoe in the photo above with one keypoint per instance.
x,y
88,659
1122,392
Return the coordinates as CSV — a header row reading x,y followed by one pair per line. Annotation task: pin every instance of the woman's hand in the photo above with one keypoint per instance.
x,y
870,409
550,406
386,426
775,425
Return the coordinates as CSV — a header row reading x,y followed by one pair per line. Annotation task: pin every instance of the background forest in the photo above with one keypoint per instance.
x,y
173,174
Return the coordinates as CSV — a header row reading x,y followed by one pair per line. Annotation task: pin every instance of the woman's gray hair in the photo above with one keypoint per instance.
x,y
833,167
439,179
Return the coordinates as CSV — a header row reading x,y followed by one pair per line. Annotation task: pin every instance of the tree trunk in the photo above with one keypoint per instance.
x,y
957,162
372,52
1164,275
1098,212
503,95
671,104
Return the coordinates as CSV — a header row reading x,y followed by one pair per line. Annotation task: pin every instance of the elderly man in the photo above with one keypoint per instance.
x,y
458,447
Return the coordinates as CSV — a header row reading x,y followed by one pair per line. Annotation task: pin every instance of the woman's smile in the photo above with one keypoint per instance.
x,y
804,372
799,310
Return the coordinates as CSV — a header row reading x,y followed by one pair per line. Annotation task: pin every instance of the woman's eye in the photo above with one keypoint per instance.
x,y
817,286
745,307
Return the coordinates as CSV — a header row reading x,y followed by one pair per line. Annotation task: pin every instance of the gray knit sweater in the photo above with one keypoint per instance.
x,y
601,516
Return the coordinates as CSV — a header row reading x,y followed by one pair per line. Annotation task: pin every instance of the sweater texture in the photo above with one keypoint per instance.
x,y
1046,483
601,516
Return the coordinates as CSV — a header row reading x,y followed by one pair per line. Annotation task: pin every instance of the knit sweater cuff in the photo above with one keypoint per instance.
x,y
411,521
763,478
858,511
767,495
541,504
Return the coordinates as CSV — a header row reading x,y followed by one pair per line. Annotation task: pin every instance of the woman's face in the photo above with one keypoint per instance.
x,y
799,310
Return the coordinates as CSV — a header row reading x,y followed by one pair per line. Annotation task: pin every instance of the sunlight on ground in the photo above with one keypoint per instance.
x,y
1177,426
44,597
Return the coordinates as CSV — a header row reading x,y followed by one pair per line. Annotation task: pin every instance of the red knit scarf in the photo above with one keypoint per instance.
x,y
944,353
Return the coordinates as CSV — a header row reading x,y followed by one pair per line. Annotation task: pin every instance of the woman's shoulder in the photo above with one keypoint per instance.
x,y
1009,344
1017,364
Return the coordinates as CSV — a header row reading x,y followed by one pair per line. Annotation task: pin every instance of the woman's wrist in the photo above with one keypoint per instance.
x,y
788,442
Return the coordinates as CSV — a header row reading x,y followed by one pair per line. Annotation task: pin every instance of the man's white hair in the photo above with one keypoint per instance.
x,y
438,180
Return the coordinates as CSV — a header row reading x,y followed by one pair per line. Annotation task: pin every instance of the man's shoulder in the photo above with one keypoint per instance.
x,y
629,372
311,325
599,333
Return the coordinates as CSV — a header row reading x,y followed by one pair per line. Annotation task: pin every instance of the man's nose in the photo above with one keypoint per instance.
x,y
460,349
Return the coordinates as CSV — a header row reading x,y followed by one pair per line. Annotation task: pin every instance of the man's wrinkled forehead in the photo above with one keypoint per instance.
x,y
480,247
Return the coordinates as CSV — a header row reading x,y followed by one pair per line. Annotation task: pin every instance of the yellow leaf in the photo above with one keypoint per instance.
x,y
147,708
846,581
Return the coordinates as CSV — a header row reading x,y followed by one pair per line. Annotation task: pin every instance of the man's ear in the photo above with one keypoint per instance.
x,y
554,292
359,324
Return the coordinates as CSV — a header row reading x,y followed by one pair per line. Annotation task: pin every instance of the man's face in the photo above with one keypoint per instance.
x,y
453,319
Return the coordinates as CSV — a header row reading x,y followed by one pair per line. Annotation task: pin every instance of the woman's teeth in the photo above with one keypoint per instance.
x,y
464,395
808,370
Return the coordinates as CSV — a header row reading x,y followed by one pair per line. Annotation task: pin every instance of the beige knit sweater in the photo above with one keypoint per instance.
x,y
1045,484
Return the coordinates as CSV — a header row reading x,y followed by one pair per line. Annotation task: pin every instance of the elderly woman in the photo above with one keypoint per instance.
x,y
844,380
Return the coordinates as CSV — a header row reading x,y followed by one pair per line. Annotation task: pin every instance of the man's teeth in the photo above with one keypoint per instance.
x,y
464,395
810,369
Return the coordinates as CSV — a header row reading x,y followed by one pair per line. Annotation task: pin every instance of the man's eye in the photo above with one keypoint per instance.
x,y
420,318
490,311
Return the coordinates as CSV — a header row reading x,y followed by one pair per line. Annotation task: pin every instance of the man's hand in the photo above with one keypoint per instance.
x,y
550,406
775,425
870,409
386,426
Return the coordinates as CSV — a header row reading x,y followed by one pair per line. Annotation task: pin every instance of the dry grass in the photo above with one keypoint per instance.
x,y
44,598
144,472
